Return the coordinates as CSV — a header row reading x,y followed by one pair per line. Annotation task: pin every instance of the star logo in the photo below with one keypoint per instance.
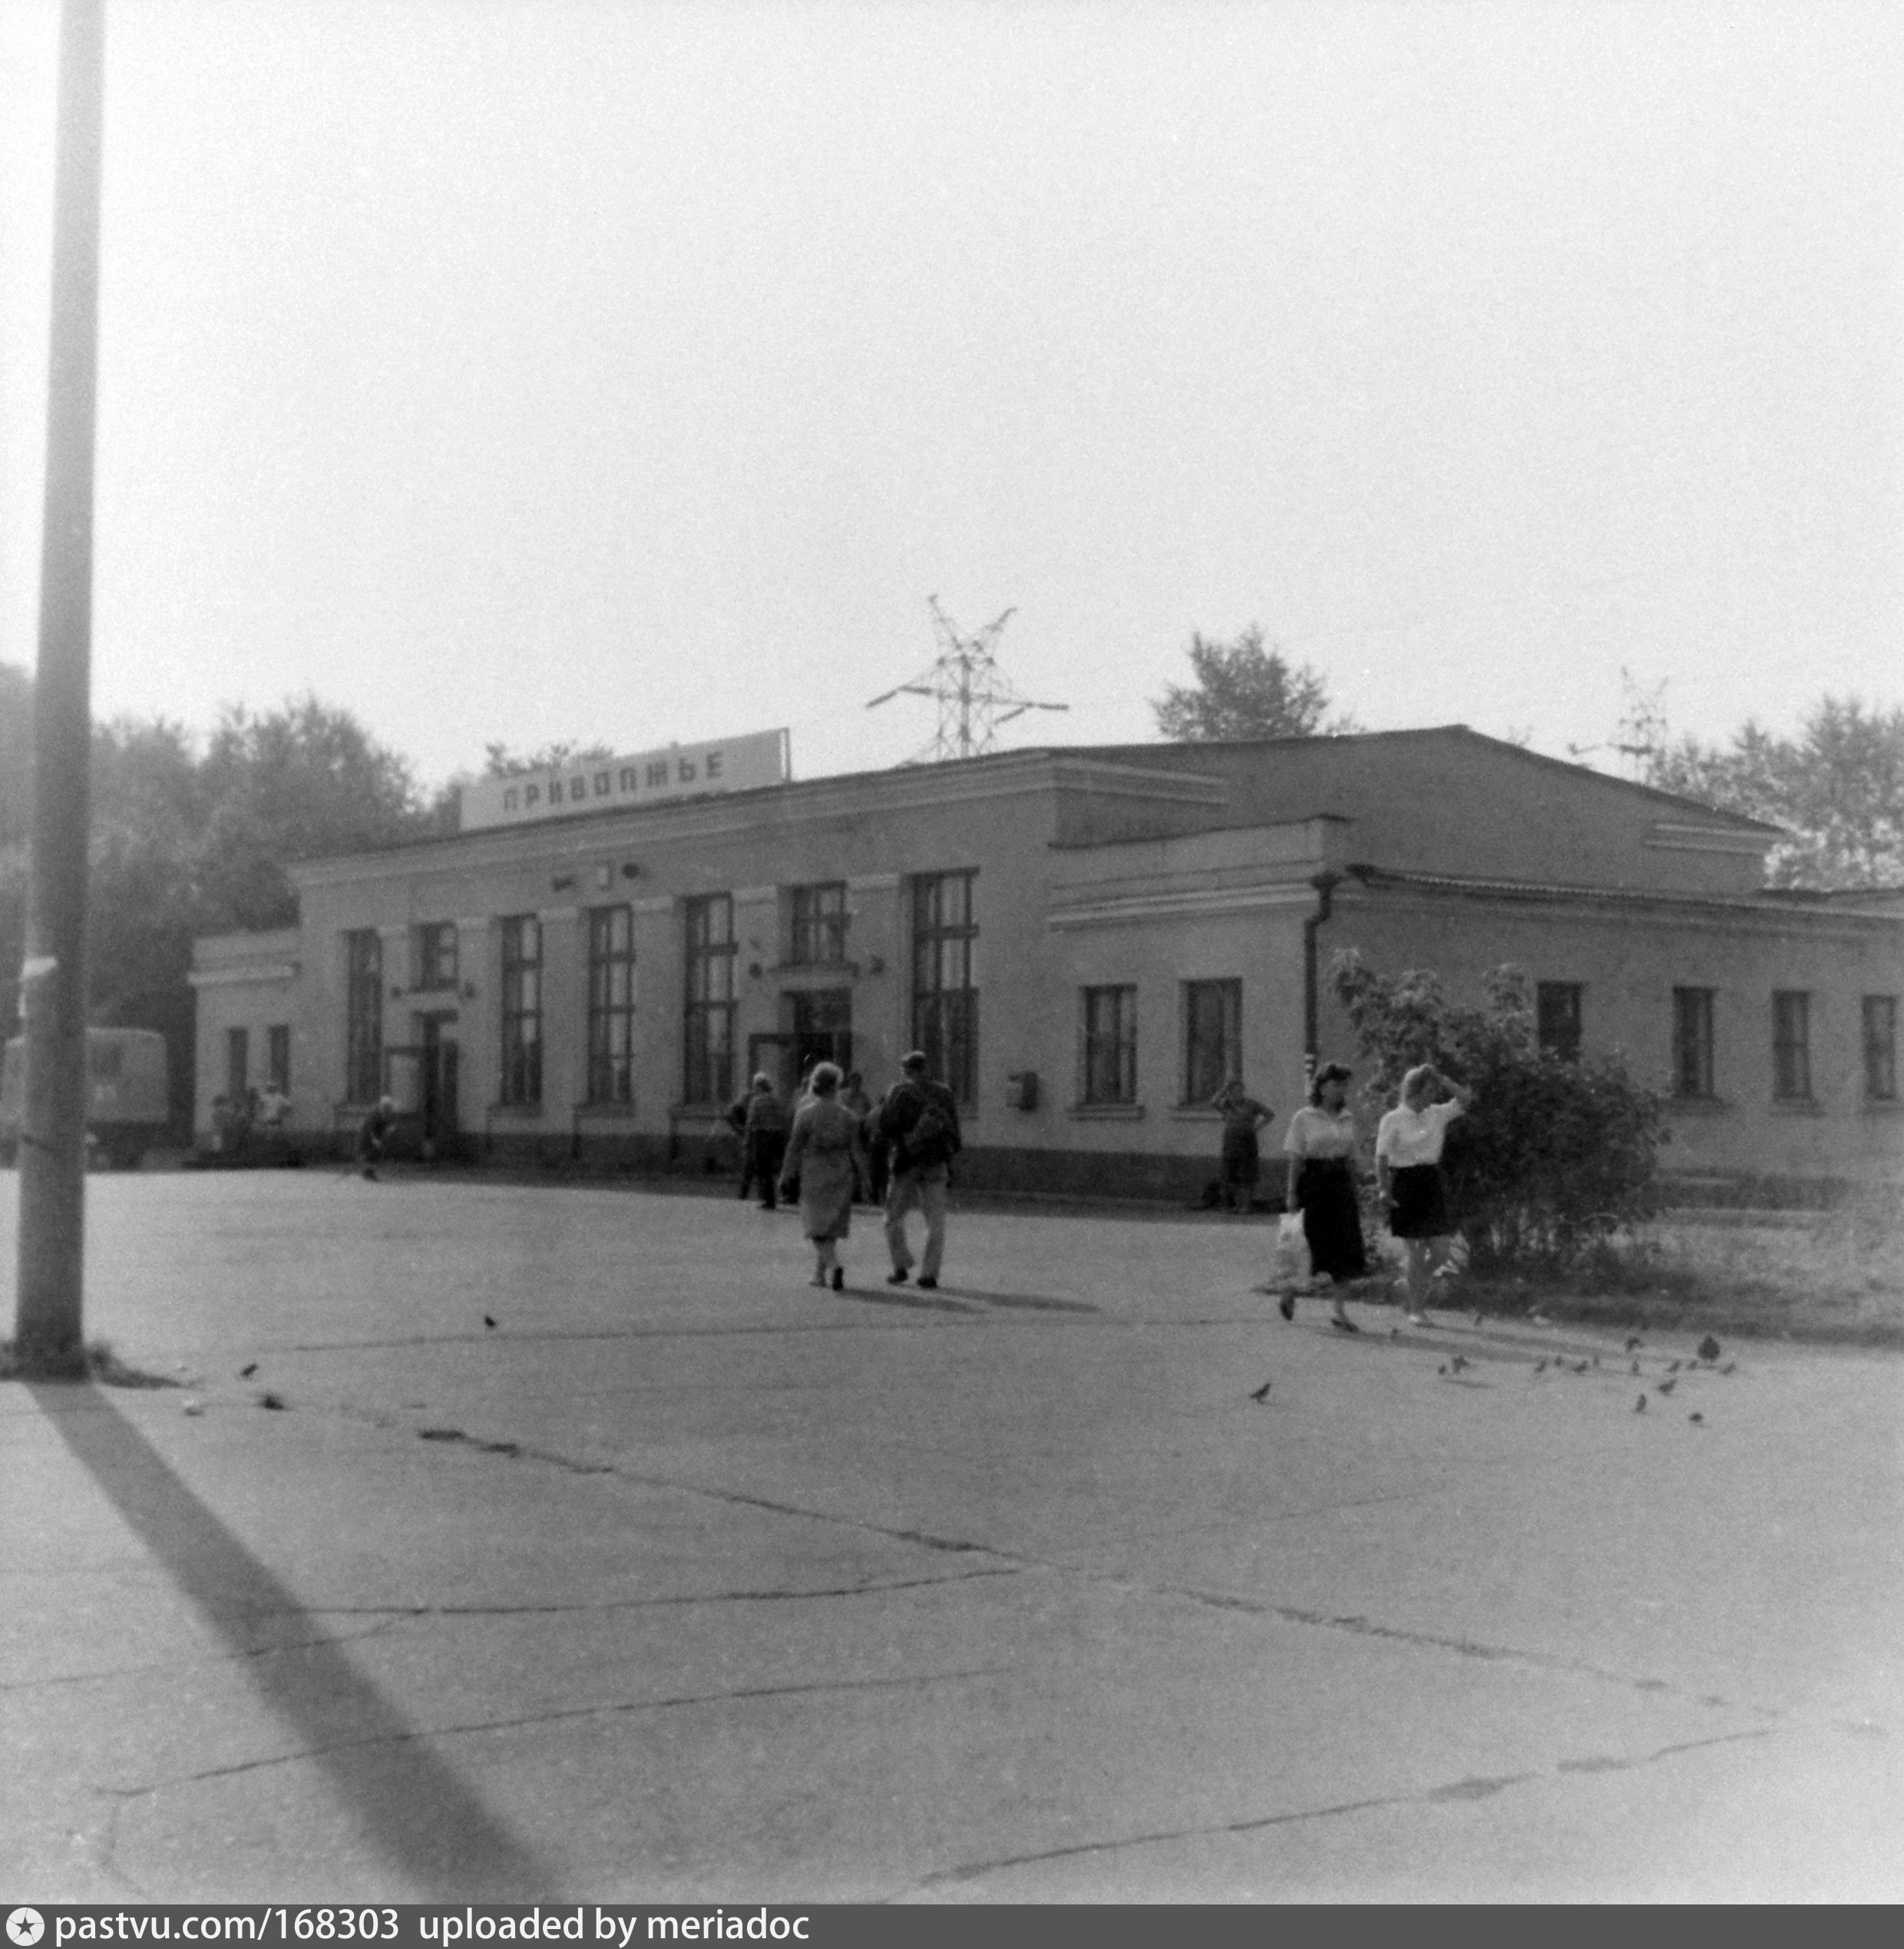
x,y
25,1926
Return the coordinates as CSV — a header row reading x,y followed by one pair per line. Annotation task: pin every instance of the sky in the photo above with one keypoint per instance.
x,y
526,370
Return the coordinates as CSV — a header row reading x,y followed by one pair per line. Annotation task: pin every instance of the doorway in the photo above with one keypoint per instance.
x,y
436,1086
821,1020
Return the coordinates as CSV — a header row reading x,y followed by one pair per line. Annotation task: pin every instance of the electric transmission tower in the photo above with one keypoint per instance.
x,y
973,698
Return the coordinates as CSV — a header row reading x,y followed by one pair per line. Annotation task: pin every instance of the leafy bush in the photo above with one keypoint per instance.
x,y
1557,1154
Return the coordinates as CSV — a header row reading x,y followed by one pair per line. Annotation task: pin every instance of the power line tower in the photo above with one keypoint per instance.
x,y
973,697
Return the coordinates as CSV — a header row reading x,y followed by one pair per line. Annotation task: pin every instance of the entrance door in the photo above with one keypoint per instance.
x,y
773,1055
822,1028
437,1084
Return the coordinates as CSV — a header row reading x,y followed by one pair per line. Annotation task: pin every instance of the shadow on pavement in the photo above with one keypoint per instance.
x,y
419,1814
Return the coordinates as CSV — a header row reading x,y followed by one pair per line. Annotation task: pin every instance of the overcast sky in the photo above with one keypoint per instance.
x,y
628,373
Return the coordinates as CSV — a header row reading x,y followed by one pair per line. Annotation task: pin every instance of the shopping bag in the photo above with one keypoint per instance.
x,y
1291,1269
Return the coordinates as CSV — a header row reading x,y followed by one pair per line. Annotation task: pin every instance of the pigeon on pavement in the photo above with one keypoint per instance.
x,y
1695,1416
1708,1348
1260,1393
1633,1341
1639,1406
1667,1387
489,1320
245,1373
1729,1367
270,1400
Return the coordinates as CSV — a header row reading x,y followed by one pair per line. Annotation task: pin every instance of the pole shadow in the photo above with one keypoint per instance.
x,y
412,1808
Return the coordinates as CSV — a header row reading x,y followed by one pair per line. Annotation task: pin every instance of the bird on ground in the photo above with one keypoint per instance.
x,y
1729,1367
1708,1348
1633,1341
1636,1367
1675,1367
1580,1367
1458,1362
489,1320
1667,1387
1695,1416
245,1373
1260,1393
1639,1406
270,1400
1540,1367
1443,1368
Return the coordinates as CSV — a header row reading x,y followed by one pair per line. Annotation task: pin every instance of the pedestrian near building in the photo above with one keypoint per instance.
x,y
1243,1117
1319,1146
1408,1147
919,1127
760,1117
373,1135
825,1162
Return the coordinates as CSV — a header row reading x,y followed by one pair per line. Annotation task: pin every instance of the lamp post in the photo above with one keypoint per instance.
x,y
47,1330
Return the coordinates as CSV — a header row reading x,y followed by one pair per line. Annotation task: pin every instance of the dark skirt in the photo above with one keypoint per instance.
x,y
1420,1195
1325,1189
1239,1157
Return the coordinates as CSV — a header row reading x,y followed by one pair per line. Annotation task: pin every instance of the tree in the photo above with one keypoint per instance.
x,y
1246,689
1557,1154
1837,788
301,783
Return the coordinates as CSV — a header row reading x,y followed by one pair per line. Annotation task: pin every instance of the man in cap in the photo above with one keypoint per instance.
x,y
919,1129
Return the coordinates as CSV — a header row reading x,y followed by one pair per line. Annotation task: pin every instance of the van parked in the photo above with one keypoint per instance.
x,y
128,1086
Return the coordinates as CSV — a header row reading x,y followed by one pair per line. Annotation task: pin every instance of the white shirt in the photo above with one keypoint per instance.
x,y
1314,1133
1407,1137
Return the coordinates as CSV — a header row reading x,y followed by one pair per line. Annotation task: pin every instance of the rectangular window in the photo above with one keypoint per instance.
x,y
1110,1045
1692,1042
1791,1045
277,1059
436,955
237,1061
611,1004
1212,1038
521,1010
817,936
1557,1013
1880,1048
708,1022
945,979
363,1016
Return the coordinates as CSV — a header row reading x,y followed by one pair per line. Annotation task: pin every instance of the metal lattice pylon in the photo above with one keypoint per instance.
x,y
973,698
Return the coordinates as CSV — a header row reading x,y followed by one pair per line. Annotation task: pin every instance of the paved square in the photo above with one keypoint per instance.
x,y
686,1581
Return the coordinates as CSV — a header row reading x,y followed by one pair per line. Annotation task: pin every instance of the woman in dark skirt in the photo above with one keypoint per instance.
x,y
1408,1145
1320,1148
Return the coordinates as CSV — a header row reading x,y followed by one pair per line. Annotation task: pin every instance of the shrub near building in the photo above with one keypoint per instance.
x,y
1558,1152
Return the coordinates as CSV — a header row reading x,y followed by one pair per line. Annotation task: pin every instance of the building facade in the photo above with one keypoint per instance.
x,y
1086,942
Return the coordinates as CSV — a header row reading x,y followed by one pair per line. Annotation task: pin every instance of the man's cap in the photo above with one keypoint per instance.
x,y
915,1059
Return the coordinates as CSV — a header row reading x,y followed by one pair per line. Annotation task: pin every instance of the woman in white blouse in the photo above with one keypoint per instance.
x,y
1320,1148
1408,1144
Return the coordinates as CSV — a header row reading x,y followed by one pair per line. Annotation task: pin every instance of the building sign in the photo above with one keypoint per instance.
x,y
643,778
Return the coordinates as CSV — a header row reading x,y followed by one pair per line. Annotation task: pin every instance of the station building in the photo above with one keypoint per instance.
x,y
1086,941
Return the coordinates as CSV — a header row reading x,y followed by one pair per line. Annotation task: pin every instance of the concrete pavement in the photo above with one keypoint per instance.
x,y
685,1580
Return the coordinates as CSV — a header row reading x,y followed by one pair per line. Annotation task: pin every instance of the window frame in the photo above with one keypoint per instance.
x,y
1559,1017
709,962
237,1061
816,925
945,989
435,968
611,1004
519,1013
1228,991
1694,1035
277,1057
1791,1046
363,1015
1107,1050
1880,1048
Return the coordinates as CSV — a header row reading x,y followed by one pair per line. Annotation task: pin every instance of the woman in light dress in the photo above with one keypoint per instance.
x,y
1408,1145
826,1159
1320,1148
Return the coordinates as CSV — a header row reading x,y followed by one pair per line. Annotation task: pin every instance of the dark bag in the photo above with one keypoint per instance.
x,y
932,1139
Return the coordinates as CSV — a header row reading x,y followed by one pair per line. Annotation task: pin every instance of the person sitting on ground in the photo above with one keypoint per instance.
x,y
1408,1147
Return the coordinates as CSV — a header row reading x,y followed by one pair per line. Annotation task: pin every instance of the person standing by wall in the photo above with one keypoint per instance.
x,y
919,1128
762,1118
1320,1148
1408,1147
1243,1117
825,1161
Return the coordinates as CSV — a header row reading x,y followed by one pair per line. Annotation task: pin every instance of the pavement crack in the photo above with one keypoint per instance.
x,y
560,1715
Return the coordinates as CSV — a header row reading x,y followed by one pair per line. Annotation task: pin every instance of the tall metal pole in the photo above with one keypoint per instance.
x,y
47,1333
